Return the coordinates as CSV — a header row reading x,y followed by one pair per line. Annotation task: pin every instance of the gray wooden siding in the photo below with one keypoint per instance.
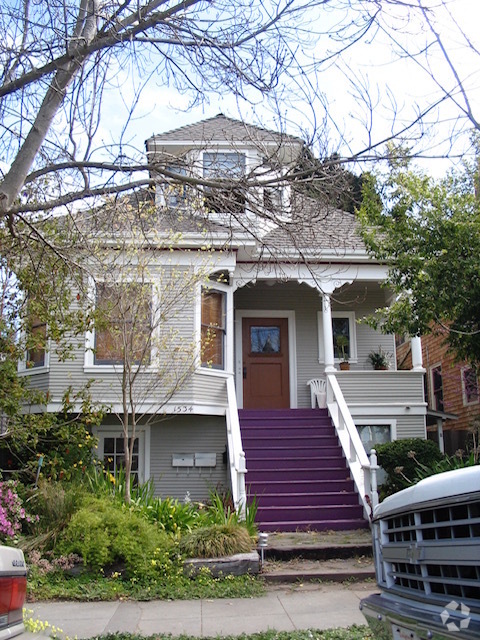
x,y
386,395
404,387
188,435
106,387
362,298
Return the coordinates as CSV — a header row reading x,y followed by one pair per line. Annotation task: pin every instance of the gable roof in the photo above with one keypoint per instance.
x,y
220,128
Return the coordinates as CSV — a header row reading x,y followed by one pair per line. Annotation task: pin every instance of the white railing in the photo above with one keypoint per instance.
x,y
362,469
236,455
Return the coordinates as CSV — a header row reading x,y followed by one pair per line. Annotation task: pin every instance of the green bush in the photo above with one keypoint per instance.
x,y
106,533
216,540
401,460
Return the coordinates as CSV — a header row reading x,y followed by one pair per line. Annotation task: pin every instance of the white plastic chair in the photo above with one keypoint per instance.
x,y
318,392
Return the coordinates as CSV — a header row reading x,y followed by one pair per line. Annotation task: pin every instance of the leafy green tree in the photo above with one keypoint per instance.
x,y
428,233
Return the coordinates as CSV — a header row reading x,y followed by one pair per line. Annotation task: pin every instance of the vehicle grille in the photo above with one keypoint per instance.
x,y
433,552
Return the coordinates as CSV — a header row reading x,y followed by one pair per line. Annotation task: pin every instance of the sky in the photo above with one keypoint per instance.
x,y
396,86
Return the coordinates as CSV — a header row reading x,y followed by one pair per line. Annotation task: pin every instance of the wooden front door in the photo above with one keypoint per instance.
x,y
265,363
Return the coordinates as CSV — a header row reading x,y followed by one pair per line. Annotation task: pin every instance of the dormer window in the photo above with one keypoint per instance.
x,y
176,193
224,165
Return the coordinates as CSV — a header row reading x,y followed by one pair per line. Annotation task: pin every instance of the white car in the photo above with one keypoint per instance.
x,y
13,590
427,559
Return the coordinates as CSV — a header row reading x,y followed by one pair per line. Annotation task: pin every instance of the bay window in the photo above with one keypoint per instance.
x,y
213,328
123,331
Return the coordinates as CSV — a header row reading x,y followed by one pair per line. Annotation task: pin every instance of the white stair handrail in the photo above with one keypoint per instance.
x,y
236,454
363,473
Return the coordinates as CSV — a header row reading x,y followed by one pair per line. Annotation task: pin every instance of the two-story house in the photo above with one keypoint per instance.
x,y
265,410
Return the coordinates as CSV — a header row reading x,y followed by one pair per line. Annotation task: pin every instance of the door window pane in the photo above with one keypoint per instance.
x,y
264,339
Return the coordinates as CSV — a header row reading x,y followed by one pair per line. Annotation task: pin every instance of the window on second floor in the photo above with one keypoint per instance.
x,y
470,386
125,325
436,381
224,165
36,353
213,328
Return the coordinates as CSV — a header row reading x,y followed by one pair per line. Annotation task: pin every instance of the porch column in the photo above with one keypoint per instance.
x,y
328,333
417,359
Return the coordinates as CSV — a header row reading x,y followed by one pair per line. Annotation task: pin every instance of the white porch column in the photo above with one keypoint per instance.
x,y
328,333
417,359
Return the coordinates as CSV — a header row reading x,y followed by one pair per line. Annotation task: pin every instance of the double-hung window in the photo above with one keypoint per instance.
x,y
470,386
36,344
124,321
224,166
436,381
213,328
176,192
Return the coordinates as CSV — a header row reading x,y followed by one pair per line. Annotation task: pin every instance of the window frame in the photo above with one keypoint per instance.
x,y
143,433
90,363
465,392
23,366
433,396
352,325
209,290
242,199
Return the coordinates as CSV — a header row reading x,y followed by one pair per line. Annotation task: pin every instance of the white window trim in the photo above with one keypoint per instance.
x,y
466,402
352,327
89,365
228,346
143,433
375,422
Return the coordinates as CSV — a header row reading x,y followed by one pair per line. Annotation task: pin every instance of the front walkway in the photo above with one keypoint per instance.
x,y
283,608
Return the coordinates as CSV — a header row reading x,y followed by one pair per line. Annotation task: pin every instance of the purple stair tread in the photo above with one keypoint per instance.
x,y
258,489
294,514
315,525
306,499
290,463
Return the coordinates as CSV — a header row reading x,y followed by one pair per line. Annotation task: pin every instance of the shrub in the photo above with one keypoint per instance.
x,y
12,513
216,540
401,459
106,533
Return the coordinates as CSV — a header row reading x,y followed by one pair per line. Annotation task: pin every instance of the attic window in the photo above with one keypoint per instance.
x,y
176,192
224,165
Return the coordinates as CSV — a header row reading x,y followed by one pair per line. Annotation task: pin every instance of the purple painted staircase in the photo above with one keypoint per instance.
x,y
297,472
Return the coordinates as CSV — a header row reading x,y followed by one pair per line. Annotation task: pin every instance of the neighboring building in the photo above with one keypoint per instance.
x,y
283,286
451,391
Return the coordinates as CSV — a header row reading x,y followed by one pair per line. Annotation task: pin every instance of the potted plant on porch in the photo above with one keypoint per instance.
x,y
342,343
380,359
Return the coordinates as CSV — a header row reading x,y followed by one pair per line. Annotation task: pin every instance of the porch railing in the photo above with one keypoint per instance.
x,y
362,469
236,455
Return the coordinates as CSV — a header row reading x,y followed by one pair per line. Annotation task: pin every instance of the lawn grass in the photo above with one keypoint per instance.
x,y
88,588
